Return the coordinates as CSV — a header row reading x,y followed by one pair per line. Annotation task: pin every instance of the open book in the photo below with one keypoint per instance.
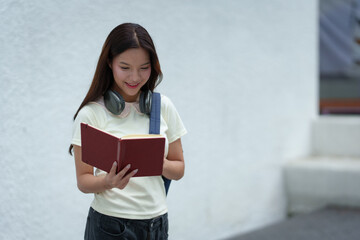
x,y
144,152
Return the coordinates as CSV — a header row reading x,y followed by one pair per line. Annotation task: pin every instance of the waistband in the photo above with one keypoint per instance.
x,y
144,223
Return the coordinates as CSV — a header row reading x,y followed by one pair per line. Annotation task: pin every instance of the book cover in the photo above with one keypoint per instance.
x,y
144,152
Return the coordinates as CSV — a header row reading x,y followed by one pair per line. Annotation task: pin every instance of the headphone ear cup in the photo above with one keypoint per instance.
x,y
145,102
114,102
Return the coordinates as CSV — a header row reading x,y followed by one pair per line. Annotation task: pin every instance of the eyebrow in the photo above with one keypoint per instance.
x,y
140,65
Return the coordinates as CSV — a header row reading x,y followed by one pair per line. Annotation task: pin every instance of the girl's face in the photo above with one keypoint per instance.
x,y
131,70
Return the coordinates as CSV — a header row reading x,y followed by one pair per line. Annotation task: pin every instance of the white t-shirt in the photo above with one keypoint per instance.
x,y
143,197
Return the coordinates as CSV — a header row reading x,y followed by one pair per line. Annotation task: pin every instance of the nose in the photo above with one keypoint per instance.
x,y
135,76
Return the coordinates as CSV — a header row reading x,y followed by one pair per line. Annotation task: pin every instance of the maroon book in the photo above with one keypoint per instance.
x,y
144,152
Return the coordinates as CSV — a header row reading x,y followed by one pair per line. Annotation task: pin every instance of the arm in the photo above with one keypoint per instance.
x,y
88,183
174,165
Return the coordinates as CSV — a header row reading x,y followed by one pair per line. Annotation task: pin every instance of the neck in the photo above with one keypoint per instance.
x,y
127,98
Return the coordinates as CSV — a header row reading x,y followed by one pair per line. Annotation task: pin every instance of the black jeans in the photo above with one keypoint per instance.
x,y
103,227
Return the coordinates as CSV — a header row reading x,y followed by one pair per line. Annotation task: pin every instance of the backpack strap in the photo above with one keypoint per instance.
x,y
155,125
155,114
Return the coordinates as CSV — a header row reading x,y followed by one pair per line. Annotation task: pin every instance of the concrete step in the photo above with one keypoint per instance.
x,y
330,223
336,136
314,182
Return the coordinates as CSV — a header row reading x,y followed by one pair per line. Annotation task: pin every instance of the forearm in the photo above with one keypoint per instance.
x,y
88,183
174,165
173,169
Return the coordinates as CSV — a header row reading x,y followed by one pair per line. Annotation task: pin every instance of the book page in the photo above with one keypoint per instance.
x,y
132,136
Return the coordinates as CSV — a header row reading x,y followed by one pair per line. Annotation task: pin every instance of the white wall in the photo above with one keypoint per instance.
x,y
241,73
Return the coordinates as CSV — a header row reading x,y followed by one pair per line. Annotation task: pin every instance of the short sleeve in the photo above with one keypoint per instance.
x,y
176,128
85,115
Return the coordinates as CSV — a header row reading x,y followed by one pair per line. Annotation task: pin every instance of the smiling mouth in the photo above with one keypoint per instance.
x,y
132,85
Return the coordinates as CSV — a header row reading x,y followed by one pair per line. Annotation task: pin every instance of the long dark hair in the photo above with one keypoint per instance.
x,y
120,39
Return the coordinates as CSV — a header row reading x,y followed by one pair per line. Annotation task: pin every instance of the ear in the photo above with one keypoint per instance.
x,y
109,64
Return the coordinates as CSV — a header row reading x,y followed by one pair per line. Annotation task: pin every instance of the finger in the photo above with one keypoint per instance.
x,y
130,175
126,179
122,173
113,168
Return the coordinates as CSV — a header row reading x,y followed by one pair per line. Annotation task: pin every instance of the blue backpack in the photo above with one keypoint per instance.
x,y
155,126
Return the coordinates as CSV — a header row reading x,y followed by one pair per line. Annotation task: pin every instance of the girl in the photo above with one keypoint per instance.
x,y
128,70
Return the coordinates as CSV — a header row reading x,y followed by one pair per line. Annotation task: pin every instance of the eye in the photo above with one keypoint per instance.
x,y
124,68
145,68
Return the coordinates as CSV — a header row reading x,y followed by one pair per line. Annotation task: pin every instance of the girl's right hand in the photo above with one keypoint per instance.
x,y
119,180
